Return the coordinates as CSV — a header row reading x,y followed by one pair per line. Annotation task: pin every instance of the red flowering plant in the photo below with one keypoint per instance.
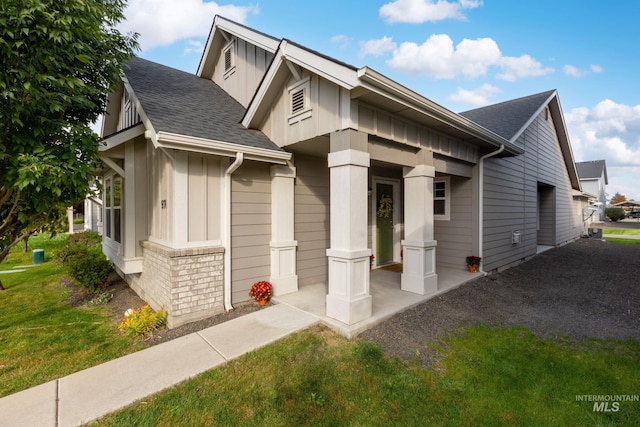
x,y
261,291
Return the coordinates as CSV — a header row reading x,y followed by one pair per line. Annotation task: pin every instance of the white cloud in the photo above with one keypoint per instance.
x,y
194,46
419,11
520,67
476,97
573,71
341,40
596,68
163,22
439,58
377,47
609,131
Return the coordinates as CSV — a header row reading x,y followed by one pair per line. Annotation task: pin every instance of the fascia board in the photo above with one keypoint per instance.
x,y
376,82
263,89
533,117
220,148
256,38
329,70
150,132
563,138
121,137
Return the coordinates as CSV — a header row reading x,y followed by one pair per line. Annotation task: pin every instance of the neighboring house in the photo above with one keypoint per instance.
x,y
593,179
277,163
93,210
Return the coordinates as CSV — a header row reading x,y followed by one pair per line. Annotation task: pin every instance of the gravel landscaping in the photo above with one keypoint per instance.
x,y
588,288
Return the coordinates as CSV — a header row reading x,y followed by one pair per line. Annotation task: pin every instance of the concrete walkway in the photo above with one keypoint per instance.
x,y
621,236
90,394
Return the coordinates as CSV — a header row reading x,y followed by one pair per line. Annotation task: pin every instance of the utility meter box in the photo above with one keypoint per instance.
x,y
516,237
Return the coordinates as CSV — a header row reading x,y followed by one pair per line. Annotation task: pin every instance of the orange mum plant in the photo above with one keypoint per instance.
x,y
261,291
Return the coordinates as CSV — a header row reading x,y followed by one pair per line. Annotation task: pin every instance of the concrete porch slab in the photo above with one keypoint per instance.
x,y
388,298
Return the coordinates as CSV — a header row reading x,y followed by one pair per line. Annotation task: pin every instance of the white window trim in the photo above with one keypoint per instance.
x,y
110,240
305,113
230,47
447,198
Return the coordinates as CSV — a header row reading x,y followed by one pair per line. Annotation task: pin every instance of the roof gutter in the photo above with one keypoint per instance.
x,y
481,203
411,99
227,228
175,141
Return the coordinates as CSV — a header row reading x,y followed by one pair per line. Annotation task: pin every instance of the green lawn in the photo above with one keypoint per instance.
x,y
43,337
622,231
486,376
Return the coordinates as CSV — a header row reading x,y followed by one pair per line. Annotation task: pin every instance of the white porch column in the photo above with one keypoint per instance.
x,y
348,299
419,248
283,246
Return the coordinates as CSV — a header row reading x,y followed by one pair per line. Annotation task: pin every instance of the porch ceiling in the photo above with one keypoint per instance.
x,y
318,146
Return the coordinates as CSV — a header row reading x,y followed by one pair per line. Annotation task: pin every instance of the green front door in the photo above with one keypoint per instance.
x,y
384,223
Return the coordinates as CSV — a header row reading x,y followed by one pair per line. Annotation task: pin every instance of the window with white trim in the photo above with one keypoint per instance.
x,y
299,103
113,208
229,55
441,199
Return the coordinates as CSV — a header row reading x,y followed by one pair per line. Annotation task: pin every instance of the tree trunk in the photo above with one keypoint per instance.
x,y
1,287
25,246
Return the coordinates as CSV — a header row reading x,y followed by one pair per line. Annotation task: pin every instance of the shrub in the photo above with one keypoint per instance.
x,y
615,214
89,238
88,266
78,242
84,260
142,321
78,221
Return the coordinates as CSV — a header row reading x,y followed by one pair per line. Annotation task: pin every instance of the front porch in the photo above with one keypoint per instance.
x,y
387,298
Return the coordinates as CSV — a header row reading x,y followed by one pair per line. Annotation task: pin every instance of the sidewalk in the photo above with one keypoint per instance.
x,y
90,394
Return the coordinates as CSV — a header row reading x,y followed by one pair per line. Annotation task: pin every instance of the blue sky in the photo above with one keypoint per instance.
x,y
461,54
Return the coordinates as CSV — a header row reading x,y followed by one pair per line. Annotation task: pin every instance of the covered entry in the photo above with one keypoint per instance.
x,y
386,218
546,215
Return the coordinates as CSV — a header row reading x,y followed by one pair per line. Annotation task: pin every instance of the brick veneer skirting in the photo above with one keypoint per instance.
x,y
188,283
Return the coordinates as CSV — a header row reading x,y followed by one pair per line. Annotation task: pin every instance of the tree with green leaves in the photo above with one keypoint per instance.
x,y
59,60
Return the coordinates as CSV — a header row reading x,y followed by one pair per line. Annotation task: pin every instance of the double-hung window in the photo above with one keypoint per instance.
x,y
113,208
441,199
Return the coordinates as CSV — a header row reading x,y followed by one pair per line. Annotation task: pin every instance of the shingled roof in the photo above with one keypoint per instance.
x,y
592,169
508,118
184,104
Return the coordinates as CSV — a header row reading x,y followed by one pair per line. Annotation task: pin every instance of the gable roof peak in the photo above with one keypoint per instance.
x,y
509,118
592,169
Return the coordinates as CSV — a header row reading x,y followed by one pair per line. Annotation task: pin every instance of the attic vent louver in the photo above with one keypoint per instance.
x,y
300,102
297,101
229,60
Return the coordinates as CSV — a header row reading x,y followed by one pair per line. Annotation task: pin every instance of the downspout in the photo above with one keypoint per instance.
x,y
227,229
481,203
